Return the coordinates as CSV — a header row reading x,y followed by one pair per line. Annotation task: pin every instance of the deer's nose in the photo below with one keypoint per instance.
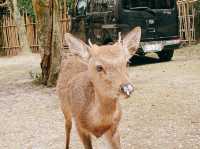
x,y
127,89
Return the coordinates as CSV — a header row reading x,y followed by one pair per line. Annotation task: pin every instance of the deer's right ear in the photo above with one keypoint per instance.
x,y
76,46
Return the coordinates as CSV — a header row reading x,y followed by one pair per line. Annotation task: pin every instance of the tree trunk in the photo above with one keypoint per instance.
x,y
21,28
1,35
47,14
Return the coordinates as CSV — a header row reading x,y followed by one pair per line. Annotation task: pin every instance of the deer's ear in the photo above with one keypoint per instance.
x,y
131,41
76,46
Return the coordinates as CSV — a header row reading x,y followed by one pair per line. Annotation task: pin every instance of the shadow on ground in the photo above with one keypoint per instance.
x,y
143,60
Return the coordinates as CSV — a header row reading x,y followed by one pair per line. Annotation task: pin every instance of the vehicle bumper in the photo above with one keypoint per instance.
x,y
157,46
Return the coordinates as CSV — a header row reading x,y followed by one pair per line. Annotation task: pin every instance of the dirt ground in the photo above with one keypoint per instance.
x,y
163,113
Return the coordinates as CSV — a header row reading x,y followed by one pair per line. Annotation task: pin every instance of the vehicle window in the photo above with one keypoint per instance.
x,y
153,4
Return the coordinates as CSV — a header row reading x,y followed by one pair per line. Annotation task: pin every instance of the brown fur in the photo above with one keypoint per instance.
x,y
89,96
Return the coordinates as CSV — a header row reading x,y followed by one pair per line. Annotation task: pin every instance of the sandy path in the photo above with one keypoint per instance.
x,y
164,112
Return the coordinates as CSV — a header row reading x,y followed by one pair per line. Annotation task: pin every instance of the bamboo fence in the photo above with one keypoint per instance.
x,y
31,33
11,44
10,39
65,20
187,20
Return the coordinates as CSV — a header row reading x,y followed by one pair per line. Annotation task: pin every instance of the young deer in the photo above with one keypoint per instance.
x,y
90,84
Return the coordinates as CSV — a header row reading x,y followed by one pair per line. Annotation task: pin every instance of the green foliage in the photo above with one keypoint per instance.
x,y
197,5
26,5
197,22
70,3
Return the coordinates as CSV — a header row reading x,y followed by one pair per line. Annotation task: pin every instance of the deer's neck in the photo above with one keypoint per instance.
x,y
105,104
101,104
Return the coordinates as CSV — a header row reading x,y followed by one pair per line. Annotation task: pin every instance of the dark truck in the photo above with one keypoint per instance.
x,y
104,19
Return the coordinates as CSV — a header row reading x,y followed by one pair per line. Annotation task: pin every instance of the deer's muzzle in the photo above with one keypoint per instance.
x,y
127,89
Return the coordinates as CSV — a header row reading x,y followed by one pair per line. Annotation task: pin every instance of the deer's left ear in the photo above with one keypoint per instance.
x,y
131,41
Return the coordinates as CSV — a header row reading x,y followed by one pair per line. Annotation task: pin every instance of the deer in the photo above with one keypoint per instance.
x,y
92,81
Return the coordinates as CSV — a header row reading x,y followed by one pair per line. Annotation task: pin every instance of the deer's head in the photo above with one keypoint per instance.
x,y
107,65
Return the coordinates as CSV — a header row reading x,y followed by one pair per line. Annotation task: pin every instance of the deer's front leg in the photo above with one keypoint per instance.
x,y
85,138
113,138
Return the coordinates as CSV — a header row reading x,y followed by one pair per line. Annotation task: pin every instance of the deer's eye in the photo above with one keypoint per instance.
x,y
99,68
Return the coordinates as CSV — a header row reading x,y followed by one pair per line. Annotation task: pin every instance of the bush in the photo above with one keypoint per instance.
x,y
26,5
197,24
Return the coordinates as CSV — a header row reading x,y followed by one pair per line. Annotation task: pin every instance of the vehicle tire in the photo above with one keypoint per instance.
x,y
166,55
